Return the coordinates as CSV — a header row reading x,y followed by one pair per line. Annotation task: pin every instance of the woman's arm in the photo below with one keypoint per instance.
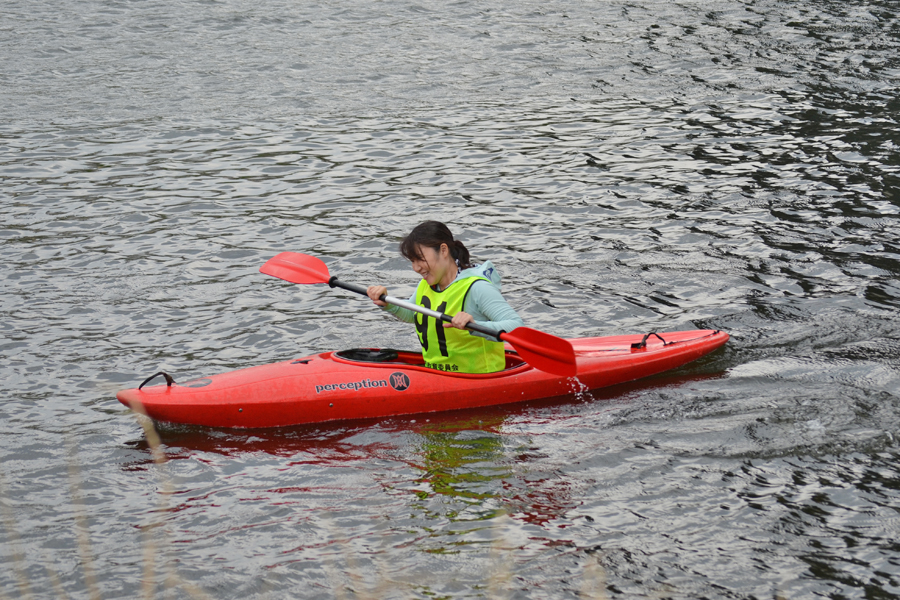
x,y
484,303
404,314
490,309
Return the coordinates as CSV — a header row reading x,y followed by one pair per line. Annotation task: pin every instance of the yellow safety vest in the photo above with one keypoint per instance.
x,y
451,349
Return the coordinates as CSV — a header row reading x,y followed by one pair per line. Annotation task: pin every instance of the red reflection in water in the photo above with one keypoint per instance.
x,y
459,455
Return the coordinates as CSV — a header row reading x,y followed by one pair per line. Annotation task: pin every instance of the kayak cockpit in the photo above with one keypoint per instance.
x,y
405,358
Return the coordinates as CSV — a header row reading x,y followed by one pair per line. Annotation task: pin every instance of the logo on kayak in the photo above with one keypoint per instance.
x,y
353,385
399,381
194,383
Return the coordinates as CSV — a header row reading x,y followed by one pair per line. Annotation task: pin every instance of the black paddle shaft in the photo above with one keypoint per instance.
x,y
352,287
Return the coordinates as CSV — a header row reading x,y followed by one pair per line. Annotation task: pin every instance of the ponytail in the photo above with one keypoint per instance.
x,y
431,234
461,254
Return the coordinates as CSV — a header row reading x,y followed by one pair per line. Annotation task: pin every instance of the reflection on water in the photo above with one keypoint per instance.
x,y
628,167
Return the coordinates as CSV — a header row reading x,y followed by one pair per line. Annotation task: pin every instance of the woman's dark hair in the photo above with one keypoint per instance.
x,y
431,234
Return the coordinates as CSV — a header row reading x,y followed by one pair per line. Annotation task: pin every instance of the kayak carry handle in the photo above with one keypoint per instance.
x,y
169,379
643,343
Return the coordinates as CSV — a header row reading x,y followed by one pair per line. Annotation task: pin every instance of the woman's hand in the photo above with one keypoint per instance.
x,y
460,320
375,292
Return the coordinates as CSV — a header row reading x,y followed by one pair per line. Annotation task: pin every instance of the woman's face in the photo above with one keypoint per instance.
x,y
434,264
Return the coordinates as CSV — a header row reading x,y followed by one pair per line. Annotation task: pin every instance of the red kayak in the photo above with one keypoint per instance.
x,y
372,383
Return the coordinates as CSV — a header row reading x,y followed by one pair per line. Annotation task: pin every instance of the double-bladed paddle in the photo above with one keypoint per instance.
x,y
541,350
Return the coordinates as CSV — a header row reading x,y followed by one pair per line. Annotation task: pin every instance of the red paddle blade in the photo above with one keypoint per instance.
x,y
296,268
543,351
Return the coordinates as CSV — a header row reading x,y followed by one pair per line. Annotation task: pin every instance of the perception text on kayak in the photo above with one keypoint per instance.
x,y
353,385
398,381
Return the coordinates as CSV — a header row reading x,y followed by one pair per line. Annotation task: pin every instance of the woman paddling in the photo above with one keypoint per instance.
x,y
451,285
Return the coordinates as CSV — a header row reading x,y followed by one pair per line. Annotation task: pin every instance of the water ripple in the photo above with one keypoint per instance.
x,y
627,167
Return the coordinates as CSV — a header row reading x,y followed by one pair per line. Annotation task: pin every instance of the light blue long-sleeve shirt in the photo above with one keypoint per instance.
x,y
484,302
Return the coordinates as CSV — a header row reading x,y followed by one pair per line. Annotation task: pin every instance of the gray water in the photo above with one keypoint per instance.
x,y
628,166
